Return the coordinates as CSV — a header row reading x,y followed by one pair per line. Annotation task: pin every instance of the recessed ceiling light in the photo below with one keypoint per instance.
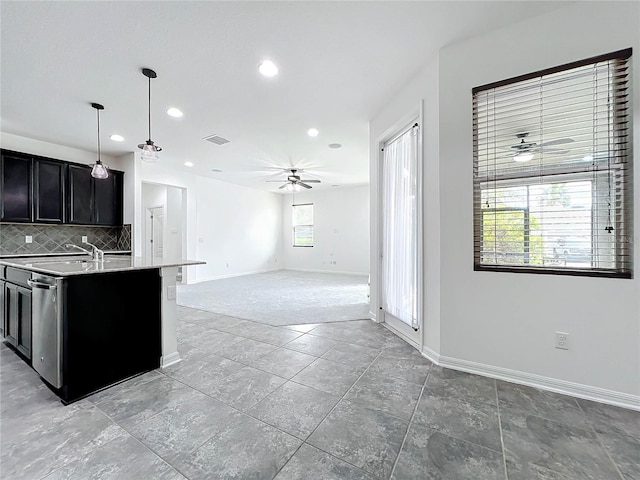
x,y
174,112
188,164
117,138
313,132
268,68
334,145
216,170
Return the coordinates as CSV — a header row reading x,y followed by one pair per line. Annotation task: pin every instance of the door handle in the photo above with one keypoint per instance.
x,y
46,286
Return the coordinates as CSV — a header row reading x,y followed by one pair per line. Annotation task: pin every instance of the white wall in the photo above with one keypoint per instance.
x,y
340,231
174,223
239,230
503,324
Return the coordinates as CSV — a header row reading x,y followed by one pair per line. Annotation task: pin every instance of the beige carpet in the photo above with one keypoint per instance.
x,y
283,297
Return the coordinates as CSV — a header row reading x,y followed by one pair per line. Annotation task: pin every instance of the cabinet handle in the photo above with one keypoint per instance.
x,y
34,284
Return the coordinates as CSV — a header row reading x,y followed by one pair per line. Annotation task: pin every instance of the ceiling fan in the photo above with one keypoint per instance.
x,y
523,151
294,182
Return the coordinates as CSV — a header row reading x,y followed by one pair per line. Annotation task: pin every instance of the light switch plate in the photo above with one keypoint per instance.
x,y
28,239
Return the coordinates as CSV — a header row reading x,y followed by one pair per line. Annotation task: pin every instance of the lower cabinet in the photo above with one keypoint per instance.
x,y
17,317
111,329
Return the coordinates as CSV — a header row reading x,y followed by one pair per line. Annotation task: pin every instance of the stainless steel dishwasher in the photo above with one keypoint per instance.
x,y
46,329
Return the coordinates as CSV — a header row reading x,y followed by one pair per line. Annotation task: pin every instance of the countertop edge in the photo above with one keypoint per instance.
x,y
90,267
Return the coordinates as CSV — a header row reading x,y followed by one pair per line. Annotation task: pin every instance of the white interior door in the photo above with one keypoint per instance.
x,y
400,233
155,231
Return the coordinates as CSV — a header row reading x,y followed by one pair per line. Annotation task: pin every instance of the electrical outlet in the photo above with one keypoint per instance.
x,y
84,239
562,340
28,239
171,292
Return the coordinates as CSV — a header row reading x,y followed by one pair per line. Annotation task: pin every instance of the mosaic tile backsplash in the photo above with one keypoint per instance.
x,y
51,238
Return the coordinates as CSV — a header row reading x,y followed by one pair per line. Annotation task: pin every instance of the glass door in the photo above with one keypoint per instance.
x,y
399,222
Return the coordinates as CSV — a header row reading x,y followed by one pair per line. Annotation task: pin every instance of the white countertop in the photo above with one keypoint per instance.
x,y
81,265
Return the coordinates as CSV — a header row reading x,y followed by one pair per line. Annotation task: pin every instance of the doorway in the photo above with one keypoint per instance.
x,y
400,225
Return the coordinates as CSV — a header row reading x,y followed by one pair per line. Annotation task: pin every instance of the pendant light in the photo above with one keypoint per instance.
x,y
99,170
149,150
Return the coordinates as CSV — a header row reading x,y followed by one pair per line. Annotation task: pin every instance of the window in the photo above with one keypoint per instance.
x,y
552,170
303,225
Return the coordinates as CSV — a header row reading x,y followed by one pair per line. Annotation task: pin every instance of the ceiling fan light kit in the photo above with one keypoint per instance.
x,y
99,170
149,149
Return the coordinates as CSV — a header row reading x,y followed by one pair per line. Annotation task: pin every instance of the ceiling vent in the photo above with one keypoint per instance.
x,y
217,139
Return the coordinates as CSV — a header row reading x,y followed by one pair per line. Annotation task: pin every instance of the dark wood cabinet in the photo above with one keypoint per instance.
x,y
17,311
94,201
37,189
108,195
80,199
120,340
17,187
49,191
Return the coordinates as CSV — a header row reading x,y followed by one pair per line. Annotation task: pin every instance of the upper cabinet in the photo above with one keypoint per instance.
x,y
16,185
43,190
94,201
49,191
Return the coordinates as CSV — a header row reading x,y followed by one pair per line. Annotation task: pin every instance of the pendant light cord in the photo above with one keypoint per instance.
x,y
149,108
98,113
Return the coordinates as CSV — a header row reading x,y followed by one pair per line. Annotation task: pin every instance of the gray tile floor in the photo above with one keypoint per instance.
x,y
344,400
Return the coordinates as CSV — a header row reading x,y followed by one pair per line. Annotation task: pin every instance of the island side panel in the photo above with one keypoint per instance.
x,y
170,353
112,329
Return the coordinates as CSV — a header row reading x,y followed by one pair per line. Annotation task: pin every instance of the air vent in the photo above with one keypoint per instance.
x,y
217,139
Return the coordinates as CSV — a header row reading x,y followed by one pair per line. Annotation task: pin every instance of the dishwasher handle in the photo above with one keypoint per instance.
x,y
46,286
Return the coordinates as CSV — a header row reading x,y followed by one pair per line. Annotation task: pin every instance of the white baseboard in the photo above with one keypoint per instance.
x,y
231,275
338,272
431,355
170,359
578,390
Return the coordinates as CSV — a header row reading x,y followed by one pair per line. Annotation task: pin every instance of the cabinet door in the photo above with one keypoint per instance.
x,y
48,185
16,188
80,198
23,311
108,199
11,313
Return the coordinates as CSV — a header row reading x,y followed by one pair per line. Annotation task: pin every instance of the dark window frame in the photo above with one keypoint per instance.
x,y
624,208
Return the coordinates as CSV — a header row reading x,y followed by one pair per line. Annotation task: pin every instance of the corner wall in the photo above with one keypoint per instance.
x,y
503,324
340,231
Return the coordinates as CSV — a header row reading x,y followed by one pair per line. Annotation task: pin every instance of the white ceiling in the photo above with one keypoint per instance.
x,y
339,63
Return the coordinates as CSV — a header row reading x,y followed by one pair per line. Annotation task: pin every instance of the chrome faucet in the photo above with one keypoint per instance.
x,y
96,253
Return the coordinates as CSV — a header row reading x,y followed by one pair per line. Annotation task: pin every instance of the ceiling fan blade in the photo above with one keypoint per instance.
x,y
283,186
303,185
554,151
309,181
557,141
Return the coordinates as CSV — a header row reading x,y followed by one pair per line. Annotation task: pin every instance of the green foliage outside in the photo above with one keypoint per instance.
x,y
504,231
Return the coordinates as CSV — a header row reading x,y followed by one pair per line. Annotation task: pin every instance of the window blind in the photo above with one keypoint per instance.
x,y
552,170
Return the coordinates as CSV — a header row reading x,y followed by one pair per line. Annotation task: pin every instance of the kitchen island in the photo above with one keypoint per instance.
x,y
91,323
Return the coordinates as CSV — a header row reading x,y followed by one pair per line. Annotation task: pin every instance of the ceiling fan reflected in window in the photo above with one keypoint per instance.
x,y
524,151
294,182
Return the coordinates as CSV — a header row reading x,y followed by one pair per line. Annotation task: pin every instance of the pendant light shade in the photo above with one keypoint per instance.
x,y
99,170
149,149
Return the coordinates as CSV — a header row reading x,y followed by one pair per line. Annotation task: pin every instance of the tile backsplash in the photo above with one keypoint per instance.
x,y
51,238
